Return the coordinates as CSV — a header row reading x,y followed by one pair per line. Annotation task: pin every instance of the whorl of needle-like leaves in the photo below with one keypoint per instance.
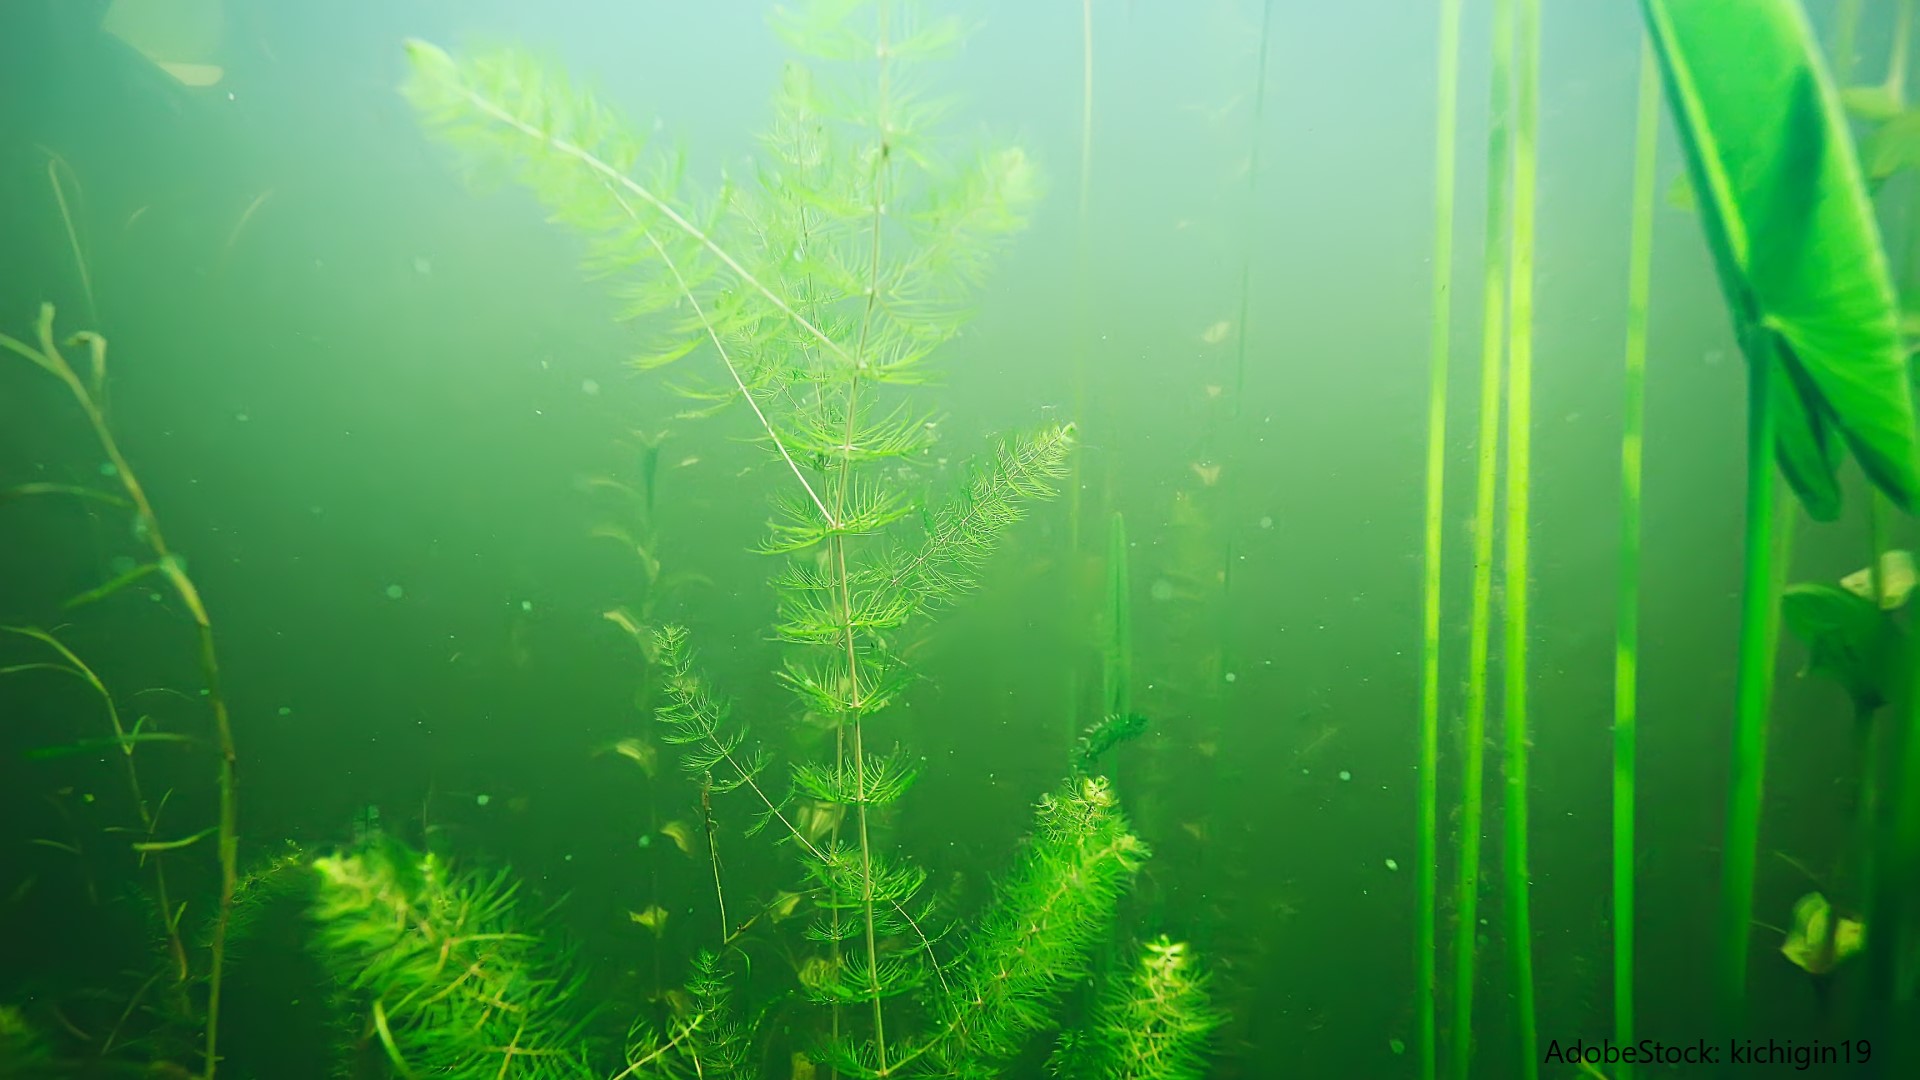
x,y
1047,916
1154,1025
963,533
444,972
705,1040
697,720
776,276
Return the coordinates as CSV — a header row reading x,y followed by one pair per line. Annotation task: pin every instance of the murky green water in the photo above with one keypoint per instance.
x,y
1031,679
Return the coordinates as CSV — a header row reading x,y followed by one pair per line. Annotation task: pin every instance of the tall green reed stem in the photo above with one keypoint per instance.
x,y
1627,629
1480,634
1233,494
1083,336
1519,477
1116,680
1446,113
1759,620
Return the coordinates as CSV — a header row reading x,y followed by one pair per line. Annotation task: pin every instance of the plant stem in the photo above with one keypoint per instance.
x,y
1083,332
1492,352
1627,629
1519,475
838,552
1229,652
50,359
1445,140
1747,772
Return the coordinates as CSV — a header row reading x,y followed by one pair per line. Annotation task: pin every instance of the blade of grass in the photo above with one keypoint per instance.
x,y
1519,477
1627,629
1480,634
1428,825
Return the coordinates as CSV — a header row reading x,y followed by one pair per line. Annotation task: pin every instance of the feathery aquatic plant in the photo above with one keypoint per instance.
x,y
1153,1027
442,969
818,295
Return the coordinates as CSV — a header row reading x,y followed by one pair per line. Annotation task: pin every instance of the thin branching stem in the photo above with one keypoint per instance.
x,y
49,358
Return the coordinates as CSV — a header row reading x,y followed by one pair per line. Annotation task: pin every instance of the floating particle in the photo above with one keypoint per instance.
x,y
108,468
646,840
1216,333
242,417
154,596
395,592
1231,677
285,711
590,387
1396,1046
482,800
1266,522
1162,590
1345,775
526,605
1392,865
422,265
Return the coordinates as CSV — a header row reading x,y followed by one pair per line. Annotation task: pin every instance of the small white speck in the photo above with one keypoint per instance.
x,y
1231,677
1345,775
589,387
395,592
526,605
1392,865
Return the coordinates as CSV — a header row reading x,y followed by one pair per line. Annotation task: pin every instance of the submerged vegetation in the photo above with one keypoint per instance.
x,y
801,306
821,293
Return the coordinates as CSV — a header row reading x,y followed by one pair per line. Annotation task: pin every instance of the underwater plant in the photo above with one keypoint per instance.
x,y
1517,904
437,966
1493,343
1427,826
1627,617
822,291
44,351
1155,1025
1785,210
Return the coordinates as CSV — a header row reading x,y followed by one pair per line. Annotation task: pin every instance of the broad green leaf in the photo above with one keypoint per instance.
x,y
1848,640
1787,217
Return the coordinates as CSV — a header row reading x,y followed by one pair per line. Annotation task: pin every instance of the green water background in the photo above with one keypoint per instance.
x,y
382,380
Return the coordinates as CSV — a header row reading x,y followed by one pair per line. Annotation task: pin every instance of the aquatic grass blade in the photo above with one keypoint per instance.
x,y
1426,961
1627,625
1515,570
1486,492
